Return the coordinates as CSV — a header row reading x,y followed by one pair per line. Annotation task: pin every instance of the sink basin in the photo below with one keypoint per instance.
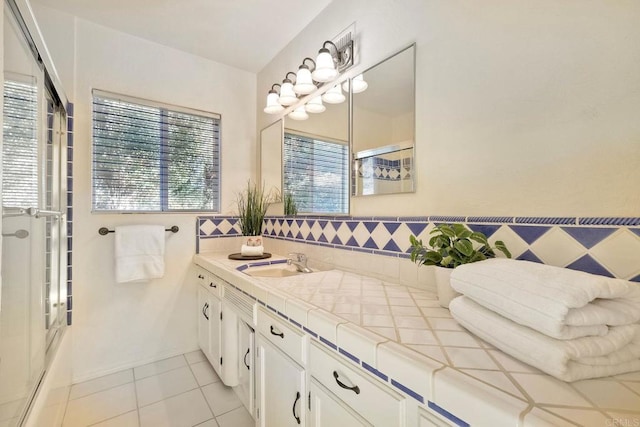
x,y
280,270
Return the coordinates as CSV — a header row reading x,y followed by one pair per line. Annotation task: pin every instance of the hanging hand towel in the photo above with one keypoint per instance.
x,y
139,252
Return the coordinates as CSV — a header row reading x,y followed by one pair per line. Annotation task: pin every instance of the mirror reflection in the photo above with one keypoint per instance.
x,y
271,157
316,158
384,127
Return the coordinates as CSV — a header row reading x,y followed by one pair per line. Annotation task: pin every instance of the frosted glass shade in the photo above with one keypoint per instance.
x,y
359,85
325,69
299,114
334,95
304,84
273,106
287,95
315,105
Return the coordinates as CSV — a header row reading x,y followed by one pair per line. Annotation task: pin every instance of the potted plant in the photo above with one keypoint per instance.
x,y
290,207
451,246
252,208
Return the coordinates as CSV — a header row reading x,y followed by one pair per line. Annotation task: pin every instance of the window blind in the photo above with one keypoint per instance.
x,y
20,145
316,174
153,158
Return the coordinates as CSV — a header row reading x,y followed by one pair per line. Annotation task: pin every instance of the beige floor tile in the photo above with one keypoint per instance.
x,y
210,423
99,384
100,406
221,398
195,357
204,373
237,418
153,389
184,410
159,367
130,419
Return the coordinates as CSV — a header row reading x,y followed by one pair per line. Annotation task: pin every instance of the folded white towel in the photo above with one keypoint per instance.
x,y
251,250
569,360
558,302
139,252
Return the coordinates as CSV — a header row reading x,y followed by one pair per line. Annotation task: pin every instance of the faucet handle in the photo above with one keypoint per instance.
x,y
297,256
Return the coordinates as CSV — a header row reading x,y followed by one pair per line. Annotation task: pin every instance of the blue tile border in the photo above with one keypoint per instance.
x,y
448,415
407,390
610,221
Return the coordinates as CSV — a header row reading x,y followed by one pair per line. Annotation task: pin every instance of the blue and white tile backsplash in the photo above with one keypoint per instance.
x,y
606,246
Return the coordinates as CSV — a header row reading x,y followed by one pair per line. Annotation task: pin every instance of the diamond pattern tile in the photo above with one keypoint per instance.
x,y
608,246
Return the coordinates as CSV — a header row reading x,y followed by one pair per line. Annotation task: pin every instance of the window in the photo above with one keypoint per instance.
x,y
148,157
316,173
20,145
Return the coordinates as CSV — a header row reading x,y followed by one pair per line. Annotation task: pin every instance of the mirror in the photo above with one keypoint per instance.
x,y
316,160
271,157
384,127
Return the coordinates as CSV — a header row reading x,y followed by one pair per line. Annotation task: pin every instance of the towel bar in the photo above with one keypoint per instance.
x,y
103,231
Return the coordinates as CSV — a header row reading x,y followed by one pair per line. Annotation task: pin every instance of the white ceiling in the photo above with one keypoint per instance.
x,y
245,34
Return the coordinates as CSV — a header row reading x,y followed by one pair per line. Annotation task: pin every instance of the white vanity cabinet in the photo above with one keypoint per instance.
x,y
281,379
325,409
209,315
363,399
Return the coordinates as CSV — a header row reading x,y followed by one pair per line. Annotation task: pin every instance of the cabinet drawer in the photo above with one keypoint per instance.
x,y
201,276
283,336
376,403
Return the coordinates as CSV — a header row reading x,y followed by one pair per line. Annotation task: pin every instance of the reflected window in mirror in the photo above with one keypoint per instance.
x,y
316,173
384,127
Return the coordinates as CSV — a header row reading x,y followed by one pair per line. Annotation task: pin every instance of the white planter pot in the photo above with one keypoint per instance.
x,y
443,283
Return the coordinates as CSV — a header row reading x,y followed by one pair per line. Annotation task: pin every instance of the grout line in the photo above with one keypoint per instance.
x,y
115,416
104,389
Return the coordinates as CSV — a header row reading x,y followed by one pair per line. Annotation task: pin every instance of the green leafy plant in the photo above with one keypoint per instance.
x,y
453,245
290,207
252,207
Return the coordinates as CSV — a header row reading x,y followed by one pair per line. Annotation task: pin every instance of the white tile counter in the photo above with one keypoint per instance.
x,y
404,337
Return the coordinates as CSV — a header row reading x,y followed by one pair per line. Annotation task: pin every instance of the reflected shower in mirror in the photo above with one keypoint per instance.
x,y
271,157
316,159
384,127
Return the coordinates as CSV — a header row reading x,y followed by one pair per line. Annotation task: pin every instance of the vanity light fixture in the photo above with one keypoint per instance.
x,y
273,106
315,105
299,113
359,85
287,95
304,83
328,64
334,95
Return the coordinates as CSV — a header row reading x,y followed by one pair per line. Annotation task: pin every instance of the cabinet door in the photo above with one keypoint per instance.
x,y
245,365
282,391
214,333
325,409
204,314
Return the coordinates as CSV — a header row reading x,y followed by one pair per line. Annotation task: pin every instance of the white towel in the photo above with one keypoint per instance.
x,y
139,252
569,360
558,302
247,250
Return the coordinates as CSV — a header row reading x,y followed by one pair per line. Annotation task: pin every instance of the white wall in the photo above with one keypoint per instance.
x,y
522,108
121,325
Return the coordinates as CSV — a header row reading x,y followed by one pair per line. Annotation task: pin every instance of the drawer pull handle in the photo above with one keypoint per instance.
x,y
275,332
200,276
295,402
354,389
245,359
213,285
205,307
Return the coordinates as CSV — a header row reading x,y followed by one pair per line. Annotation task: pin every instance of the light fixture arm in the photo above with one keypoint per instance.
x,y
273,88
306,66
287,79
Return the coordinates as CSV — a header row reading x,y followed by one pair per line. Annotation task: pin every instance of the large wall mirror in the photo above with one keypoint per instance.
x,y
271,157
316,158
384,127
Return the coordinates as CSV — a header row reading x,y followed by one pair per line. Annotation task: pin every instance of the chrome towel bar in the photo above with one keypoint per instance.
x,y
103,231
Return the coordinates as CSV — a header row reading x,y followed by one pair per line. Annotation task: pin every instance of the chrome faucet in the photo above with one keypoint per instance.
x,y
300,261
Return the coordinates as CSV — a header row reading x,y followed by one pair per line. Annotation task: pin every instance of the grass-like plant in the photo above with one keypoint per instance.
x,y
452,245
290,207
252,207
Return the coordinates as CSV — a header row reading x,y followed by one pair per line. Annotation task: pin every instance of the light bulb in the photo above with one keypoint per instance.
x,y
315,105
304,84
334,95
287,95
325,69
299,114
273,106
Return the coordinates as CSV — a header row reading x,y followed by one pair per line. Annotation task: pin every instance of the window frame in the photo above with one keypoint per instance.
x,y
164,107
347,170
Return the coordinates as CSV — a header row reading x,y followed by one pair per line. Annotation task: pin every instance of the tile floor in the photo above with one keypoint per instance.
x,y
182,391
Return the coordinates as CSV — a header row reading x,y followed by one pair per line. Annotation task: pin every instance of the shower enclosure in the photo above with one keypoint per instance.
x,y
33,281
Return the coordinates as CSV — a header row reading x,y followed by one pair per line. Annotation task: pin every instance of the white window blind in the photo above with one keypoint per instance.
x,y
316,174
20,145
153,158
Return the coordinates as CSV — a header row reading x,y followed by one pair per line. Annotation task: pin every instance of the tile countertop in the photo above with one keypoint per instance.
x,y
403,336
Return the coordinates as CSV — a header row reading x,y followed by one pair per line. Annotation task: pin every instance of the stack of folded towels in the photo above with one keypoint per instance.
x,y
569,324
253,247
